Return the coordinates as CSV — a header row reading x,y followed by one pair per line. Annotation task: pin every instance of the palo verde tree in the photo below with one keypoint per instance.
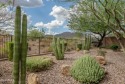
x,y
85,22
36,33
109,12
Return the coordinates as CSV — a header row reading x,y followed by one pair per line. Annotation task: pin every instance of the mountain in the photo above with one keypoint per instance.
x,y
66,35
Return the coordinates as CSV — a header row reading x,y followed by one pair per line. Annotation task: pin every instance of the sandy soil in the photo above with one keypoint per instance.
x,y
115,68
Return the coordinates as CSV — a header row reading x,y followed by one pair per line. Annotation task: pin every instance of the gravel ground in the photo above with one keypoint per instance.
x,y
115,68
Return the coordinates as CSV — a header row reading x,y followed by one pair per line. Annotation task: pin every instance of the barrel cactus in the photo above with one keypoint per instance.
x,y
87,70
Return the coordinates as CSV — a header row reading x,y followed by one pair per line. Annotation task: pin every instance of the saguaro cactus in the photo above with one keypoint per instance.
x,y
24,49
87,42
58,48
20,48
17,45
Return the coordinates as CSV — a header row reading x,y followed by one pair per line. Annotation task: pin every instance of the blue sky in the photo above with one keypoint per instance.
x,y
50,15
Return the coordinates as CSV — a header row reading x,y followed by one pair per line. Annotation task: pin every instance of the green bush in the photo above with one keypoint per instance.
x,y
35,64
4,48
65,46
114,47
79,46
87,70
10,51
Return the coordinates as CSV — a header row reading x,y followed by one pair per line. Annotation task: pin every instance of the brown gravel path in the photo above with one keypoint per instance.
x,y
115,68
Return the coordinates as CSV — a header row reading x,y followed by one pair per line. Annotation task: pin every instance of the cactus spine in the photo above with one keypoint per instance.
x,y
87,42
20,48
58,48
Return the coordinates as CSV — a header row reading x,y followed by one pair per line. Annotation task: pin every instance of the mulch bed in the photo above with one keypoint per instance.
x,y
115,68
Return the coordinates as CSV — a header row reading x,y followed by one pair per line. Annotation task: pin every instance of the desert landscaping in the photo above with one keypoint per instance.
x,y
114,68
62,42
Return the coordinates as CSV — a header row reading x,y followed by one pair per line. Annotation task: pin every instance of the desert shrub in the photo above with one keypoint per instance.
x,y
101,52
87,70
114,47
79,46
65,46
10,51
50,49
35,64
5,50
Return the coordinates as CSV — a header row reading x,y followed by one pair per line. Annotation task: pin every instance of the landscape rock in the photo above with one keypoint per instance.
x,y
86,51
65,70
33,79
100,59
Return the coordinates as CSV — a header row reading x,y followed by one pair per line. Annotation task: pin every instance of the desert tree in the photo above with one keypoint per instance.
x,y
36,33
86,22
6,16
110,12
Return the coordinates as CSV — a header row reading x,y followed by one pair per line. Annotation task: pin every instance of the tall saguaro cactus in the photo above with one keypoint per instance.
x,y
58,48
17,45
20,48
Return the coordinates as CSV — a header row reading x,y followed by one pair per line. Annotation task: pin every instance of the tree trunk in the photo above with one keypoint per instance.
x,y
119,37
100,42
102,37
121,43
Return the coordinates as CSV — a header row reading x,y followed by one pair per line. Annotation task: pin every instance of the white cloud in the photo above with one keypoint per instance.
x,y
40,24
51,33
29,19
54,24
26,3
50,25
60,14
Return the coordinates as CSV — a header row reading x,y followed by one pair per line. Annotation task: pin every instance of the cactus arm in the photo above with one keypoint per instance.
x,y
87,42
16,45
24,49
63,49
59,47
55,47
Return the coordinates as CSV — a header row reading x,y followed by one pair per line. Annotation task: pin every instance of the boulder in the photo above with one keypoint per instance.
x,y
33,79
101,60
86,51
65,70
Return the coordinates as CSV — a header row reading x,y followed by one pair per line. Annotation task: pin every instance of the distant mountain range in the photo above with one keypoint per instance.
x,y
66,35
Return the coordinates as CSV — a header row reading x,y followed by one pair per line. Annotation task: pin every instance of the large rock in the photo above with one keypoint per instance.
x,y
101,60
65,70
86,51
33,79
